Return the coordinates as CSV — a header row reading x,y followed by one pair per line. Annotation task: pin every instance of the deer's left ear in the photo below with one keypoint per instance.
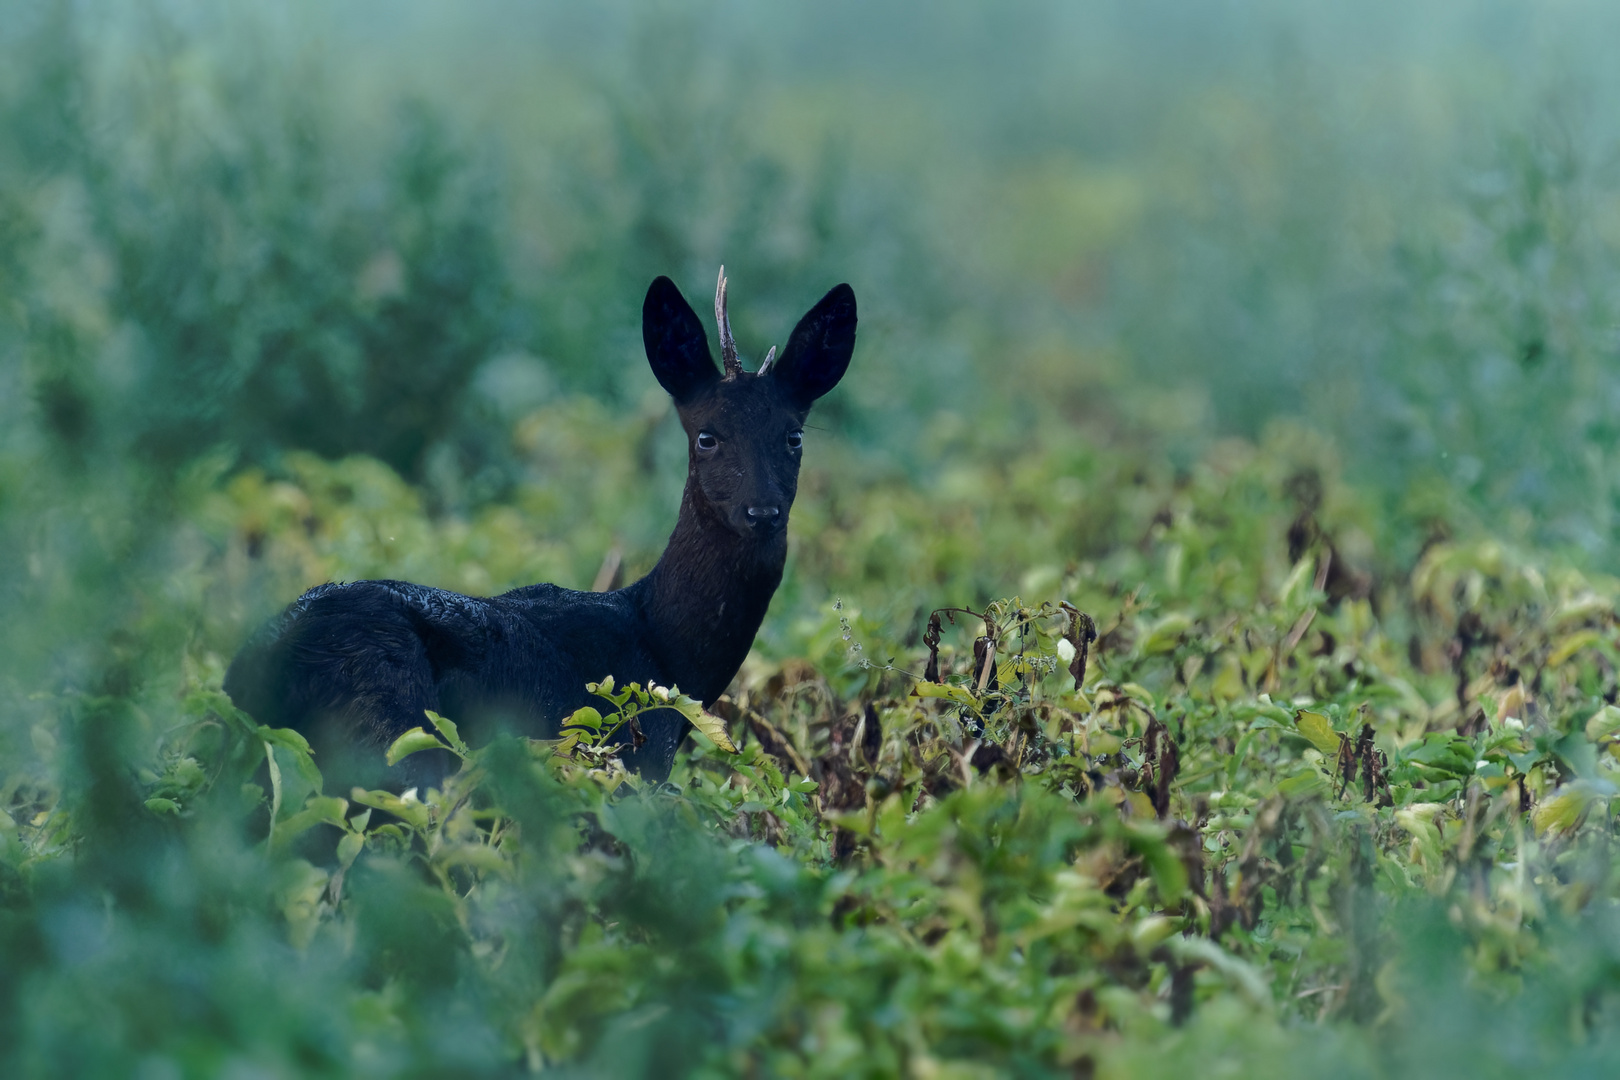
x,y
677,347
817,355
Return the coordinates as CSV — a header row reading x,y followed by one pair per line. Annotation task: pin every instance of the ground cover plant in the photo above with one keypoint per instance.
x,y
1231,797
1197,651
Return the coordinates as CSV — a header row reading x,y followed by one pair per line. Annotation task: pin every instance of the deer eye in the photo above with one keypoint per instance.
x,y
795,440
706,441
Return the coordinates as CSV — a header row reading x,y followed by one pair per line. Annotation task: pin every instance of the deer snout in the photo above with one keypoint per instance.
x,y
764,518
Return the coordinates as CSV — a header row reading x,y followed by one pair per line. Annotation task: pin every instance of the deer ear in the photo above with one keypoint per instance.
x,y
817,355
677,348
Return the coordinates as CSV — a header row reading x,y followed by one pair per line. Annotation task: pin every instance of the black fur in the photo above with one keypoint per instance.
x,y
353,666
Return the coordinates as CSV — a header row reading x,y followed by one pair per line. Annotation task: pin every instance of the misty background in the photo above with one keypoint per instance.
x,y
236,235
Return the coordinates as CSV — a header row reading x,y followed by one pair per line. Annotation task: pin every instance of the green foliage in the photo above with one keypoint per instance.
x,y
1269,824
233,286
1081,739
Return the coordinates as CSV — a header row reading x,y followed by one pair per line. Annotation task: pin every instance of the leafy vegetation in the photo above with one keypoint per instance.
x,y
1195,654
1292,811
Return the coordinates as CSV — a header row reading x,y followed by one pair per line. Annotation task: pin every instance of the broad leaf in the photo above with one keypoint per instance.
x,y
411,742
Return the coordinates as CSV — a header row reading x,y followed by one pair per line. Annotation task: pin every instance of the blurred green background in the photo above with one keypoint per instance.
x,y
398,229
235,233
308,292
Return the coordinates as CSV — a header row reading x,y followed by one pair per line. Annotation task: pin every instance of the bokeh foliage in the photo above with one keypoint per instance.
x,y
1278,338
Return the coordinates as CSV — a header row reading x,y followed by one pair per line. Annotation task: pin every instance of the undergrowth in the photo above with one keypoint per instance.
x,y
1230,797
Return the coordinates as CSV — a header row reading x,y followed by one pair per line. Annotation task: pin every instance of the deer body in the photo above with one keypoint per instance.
x,y
353,666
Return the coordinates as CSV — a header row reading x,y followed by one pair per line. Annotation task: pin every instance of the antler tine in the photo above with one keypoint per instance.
x,y
728,344
770,358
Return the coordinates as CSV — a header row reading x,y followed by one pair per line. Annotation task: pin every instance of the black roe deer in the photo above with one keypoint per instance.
x,y
353,666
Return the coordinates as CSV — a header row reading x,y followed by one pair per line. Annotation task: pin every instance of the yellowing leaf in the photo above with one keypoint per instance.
x,y
715,729
1571,645
1564,810
1512,703
958,694
710,725
1317,728
1074,701
1603,723
1102,742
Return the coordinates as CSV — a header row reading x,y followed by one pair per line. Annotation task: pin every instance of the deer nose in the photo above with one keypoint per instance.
x,y
763,517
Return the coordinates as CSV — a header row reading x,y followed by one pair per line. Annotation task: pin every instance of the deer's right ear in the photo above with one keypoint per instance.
x,y
677,347
818,351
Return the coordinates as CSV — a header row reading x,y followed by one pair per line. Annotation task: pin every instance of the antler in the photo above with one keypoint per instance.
x,y
728,344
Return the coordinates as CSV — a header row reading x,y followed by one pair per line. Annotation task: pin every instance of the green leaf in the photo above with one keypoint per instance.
x,y
412,741
163,806
1295,582
1418,821
1103,742
1317,728
1137,692
475,856
1150,931
1163,863
1578,754
349,847
448,729
275,786
1259,711
856,821
285,737
412,813
606,689
330,808
585,717
304,765
1303,785
1165,634
293,826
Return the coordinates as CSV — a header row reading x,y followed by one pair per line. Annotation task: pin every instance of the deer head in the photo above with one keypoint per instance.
x,y
745,431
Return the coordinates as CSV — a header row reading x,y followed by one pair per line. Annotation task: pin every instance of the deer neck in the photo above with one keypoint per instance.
x,y
707,596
